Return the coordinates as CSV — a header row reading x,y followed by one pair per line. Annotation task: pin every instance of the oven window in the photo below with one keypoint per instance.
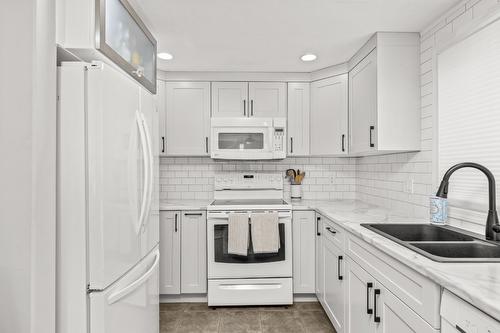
x,y
241,141
221,255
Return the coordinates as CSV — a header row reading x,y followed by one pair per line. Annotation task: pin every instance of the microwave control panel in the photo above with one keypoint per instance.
x,y
279,138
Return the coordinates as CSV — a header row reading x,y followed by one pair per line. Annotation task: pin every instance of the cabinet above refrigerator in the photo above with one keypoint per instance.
x,y
111,31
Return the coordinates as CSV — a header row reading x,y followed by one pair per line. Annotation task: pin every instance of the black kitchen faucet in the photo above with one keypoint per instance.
x,y
492,231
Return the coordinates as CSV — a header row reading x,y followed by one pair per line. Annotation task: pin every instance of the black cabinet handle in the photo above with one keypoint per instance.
x,y
206,144
291,145
175,223
376,318
331,230
369,286
251,107
371,140
193,214
460,329
339,273
317,226
162,144
343,142
244,107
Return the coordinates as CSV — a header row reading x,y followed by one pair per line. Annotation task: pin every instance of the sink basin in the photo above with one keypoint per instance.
x,y
470,250
440,243
419,232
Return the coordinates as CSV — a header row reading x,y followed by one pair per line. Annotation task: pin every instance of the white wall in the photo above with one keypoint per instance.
x,y
27,169
381,179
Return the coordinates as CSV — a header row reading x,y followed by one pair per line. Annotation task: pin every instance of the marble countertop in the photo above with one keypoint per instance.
x,y
477,283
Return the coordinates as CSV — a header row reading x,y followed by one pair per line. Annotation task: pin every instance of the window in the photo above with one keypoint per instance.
x,y
469,114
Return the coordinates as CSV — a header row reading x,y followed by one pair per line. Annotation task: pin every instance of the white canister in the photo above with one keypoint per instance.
x,y
296,191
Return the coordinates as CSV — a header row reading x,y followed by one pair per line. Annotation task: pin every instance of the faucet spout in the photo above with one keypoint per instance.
x,y
492,231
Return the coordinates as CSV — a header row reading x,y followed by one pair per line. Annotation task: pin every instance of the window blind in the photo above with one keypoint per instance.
x,y
469,114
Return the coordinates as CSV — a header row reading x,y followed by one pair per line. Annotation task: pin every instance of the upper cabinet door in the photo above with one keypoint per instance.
x,y
363,105
187,118
124,38
230,99
161,105
329,111
267,99
298,118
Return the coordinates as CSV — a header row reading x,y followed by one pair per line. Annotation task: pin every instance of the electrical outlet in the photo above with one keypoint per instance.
x,y
409,186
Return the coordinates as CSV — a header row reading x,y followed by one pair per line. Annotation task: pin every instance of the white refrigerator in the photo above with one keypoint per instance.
x,y
107,205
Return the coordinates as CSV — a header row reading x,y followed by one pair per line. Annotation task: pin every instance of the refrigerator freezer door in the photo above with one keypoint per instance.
x,y
131,304
118,175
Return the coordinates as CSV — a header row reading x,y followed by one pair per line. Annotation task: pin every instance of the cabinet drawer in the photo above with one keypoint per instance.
x,y
416,291
334,233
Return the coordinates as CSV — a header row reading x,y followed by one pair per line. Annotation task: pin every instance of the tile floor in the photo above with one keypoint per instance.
x,y
198,317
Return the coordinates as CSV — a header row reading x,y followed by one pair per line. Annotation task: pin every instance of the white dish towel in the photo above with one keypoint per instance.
x,y
265,232
237,242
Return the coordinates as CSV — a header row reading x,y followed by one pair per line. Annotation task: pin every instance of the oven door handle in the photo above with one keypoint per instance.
x,y
225,216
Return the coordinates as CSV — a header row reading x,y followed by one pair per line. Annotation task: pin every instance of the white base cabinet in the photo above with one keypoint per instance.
x,y
303,235
183,254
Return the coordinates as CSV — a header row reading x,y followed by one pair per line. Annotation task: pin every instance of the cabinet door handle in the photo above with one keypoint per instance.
x,y
162,144
193,214
331,230
251,107
343,142
206,144
317,226
291,145
371,140
460,329
175,223
369,286
339,267
244,107
376,293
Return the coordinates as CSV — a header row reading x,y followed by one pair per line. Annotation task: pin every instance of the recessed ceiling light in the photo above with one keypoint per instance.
x,y
165,56
308,57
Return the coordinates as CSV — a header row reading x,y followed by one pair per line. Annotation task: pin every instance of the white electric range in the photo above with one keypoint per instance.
x,y
255,279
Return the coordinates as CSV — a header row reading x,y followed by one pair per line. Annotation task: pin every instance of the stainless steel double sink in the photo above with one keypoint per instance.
x,y
440,243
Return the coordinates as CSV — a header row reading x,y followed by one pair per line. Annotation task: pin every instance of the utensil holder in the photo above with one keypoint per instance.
x,y
296,191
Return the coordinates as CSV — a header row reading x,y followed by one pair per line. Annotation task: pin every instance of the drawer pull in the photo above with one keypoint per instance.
x,y
369,286
339,267
193,214
331,230
376,293
317,226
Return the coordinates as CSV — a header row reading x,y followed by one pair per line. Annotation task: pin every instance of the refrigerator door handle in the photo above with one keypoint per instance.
x,y
120,293
151,170
145,158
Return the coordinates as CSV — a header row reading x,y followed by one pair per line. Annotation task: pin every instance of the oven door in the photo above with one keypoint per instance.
x,y
242,139
224,265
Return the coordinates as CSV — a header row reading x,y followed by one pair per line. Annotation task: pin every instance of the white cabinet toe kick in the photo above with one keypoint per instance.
x,y
232,292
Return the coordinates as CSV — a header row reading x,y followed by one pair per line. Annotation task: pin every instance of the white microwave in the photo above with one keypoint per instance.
x,y
248,138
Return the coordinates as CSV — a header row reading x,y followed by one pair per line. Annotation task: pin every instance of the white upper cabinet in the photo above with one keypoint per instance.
x,y
329,112
161,105
187,118
384,95
363,104
243,99
267,99
230,99
298,118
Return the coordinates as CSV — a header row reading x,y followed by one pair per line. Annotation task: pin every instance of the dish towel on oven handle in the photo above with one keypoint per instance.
x,y
265,232
237,242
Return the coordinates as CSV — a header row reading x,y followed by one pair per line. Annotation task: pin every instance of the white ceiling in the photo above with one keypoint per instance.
x,y
271,35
